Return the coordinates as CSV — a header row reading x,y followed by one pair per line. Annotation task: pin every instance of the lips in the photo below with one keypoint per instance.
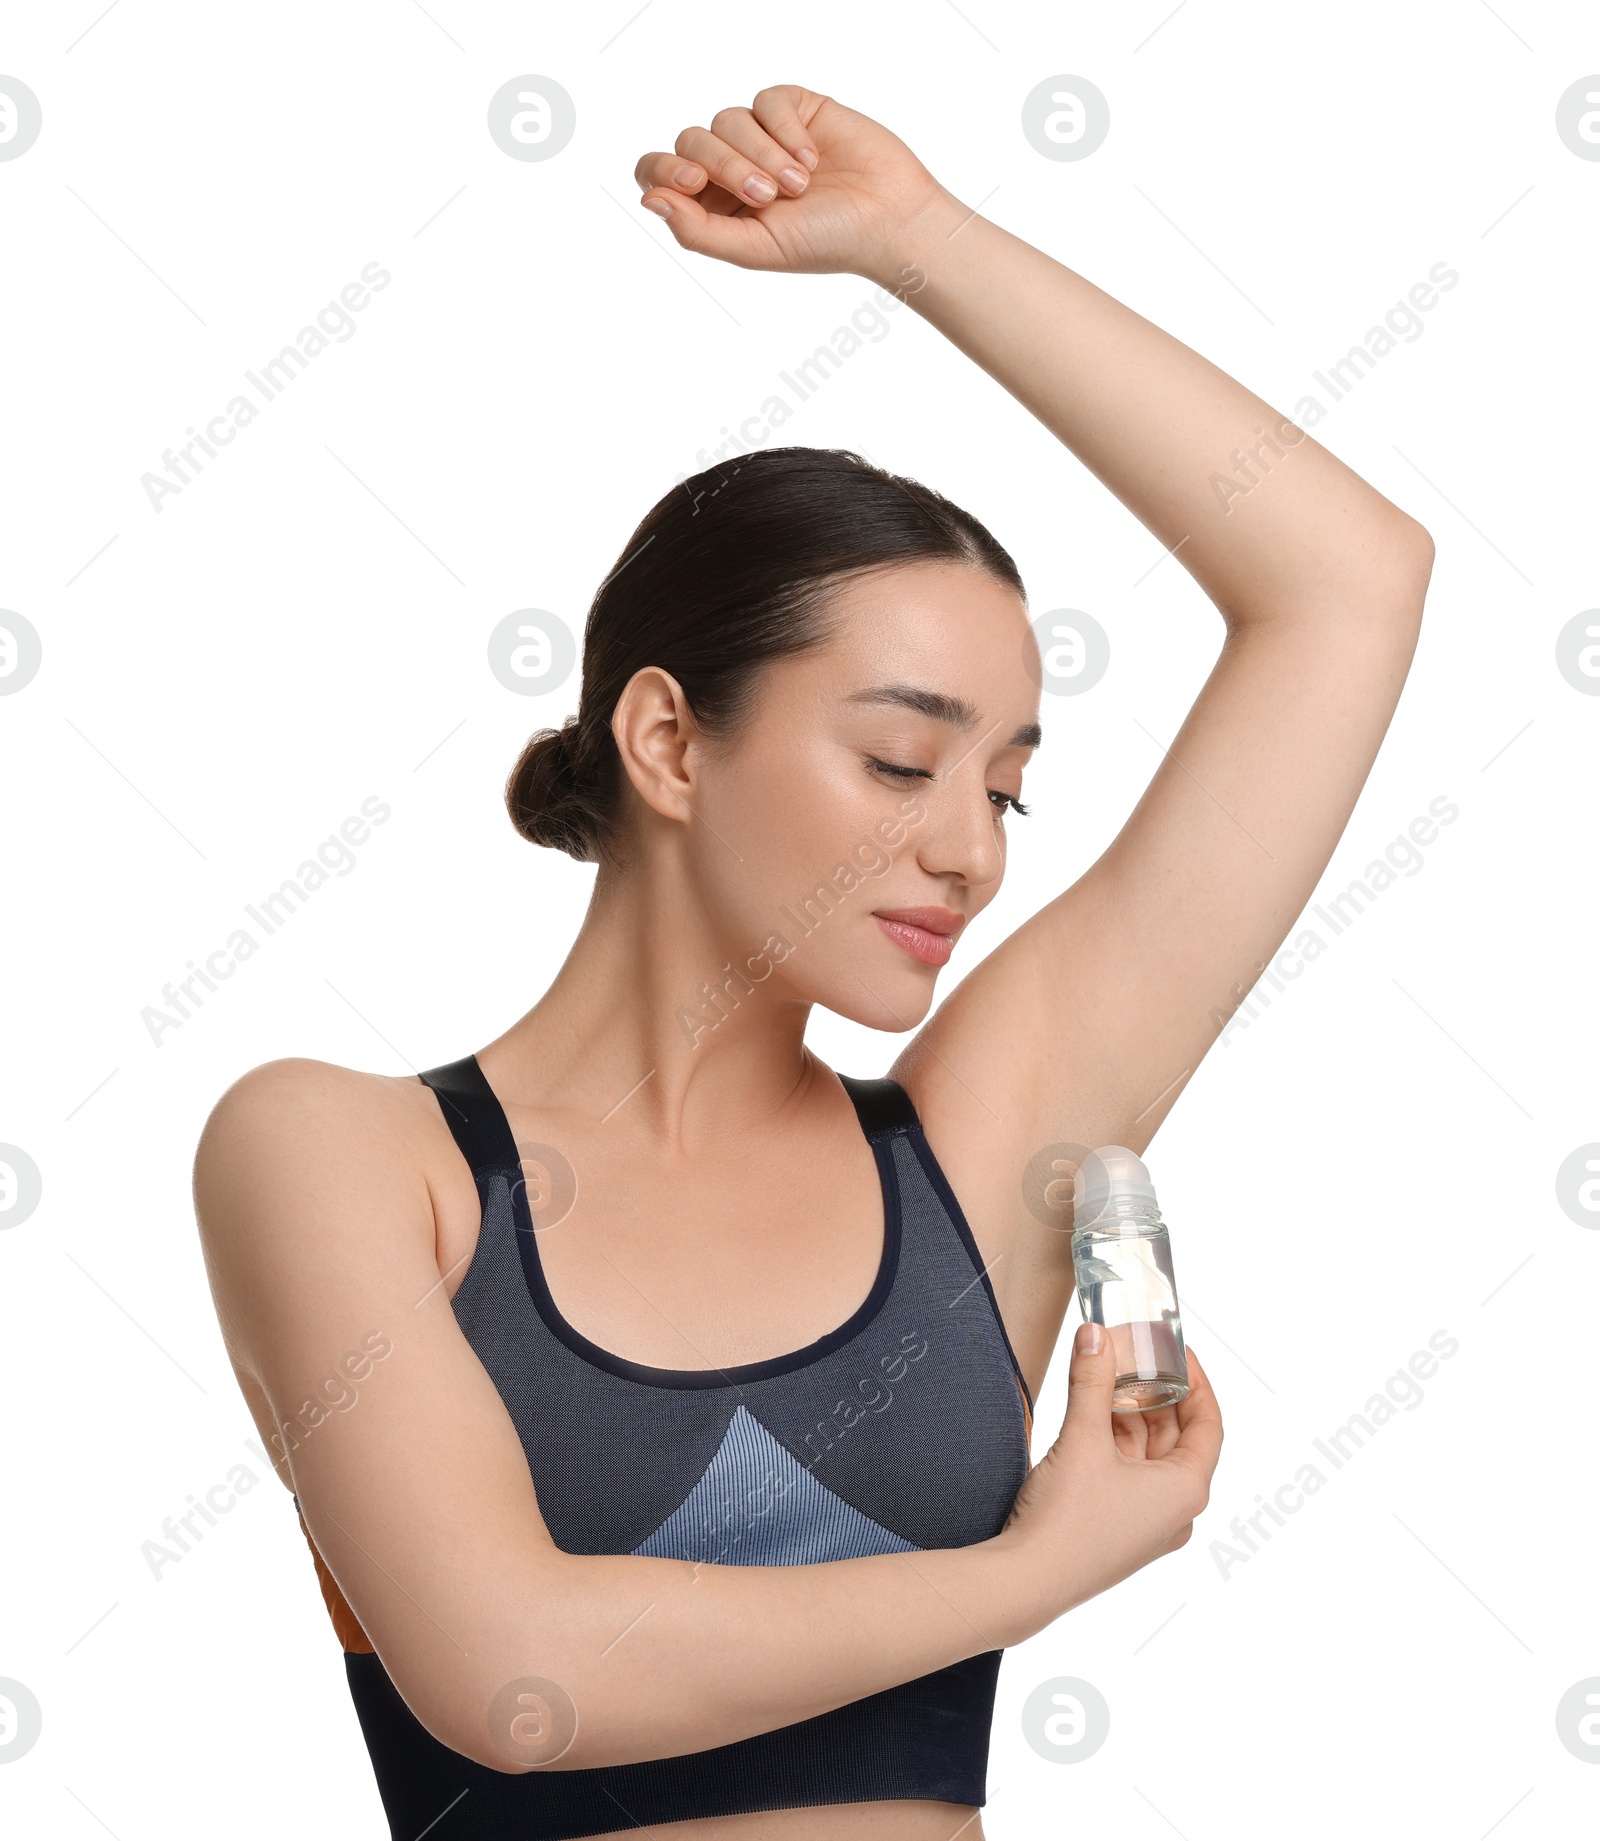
x,y
928,934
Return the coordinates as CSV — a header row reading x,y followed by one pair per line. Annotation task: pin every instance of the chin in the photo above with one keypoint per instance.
x,y
893,995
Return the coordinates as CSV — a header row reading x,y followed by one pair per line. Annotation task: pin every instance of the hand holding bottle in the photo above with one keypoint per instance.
x,y
1116,1490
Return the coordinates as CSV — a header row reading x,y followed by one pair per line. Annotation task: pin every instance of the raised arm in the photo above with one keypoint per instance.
x,y
319,1235
1085,1023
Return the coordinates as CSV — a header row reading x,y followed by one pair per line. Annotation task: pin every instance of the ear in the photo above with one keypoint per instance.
x,y
656,733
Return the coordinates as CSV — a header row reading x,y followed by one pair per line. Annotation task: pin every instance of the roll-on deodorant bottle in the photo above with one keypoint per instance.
x,y
1123,1261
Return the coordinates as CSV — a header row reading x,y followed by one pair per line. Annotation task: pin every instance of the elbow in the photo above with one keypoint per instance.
x,y
1412,567
528,1722
526,1743
1388,587
532,1689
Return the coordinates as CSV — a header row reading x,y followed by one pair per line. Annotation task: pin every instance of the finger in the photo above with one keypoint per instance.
x,y
1091,1380
1160,1433
1161,1430
669,169
1199,1423
1128,1429
778,109
734,171
741,131
739,238
1200,1398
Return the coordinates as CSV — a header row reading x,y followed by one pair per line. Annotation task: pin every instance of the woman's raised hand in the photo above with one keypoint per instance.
x,y
796,182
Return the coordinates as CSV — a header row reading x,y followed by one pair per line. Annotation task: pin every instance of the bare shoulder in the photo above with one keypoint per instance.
x,y
295,1093
310,1175
313,1109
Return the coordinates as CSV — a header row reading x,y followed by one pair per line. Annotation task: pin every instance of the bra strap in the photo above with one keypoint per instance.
x,y
478,1122
883,1106
475,1116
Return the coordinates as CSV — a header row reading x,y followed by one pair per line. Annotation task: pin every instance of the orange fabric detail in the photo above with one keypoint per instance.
x,y
1027,1413
346,1626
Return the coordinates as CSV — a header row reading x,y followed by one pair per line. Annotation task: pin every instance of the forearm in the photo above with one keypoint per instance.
x,y
662,1657
1162,427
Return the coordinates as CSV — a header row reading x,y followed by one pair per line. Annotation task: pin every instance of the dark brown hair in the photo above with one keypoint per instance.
x,y
726,573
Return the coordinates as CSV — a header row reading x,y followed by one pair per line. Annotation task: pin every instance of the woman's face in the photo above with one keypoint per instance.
x,y
873,776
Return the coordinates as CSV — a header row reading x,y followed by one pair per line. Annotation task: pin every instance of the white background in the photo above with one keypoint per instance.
x,y
1372,1160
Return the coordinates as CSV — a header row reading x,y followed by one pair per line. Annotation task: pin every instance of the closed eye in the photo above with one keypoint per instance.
x,y
1002,802
902,773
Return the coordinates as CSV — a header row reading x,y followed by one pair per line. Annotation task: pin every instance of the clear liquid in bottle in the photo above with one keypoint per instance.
x,y
1122,1257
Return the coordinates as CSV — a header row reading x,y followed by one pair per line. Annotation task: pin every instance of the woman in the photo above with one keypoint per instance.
x,y
657,1415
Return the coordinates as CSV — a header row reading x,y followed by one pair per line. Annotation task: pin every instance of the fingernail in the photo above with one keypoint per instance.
x,y
1089,1338
659,206
759,189
794,178
809,157
685,178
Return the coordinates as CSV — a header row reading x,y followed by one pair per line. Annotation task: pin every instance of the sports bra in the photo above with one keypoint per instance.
x,y
905,1428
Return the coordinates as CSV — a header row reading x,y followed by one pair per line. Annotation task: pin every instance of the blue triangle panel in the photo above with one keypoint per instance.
x,y
756,1505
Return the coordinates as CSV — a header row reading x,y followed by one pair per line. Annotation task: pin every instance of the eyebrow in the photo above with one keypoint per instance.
x,y
942,707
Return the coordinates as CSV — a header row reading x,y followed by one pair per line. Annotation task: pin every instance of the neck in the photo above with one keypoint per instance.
x,y
644,1026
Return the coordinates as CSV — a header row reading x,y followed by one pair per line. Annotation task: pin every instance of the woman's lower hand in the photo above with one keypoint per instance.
x,y
795,182
1115,1491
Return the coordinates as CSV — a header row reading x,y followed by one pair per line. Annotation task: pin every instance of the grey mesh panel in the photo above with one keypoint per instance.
x,y
755,1506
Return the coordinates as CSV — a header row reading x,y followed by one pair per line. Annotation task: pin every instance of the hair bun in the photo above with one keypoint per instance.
x,y
564,748
547,797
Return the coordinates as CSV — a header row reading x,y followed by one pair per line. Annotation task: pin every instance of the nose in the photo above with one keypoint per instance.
x,y
960,836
